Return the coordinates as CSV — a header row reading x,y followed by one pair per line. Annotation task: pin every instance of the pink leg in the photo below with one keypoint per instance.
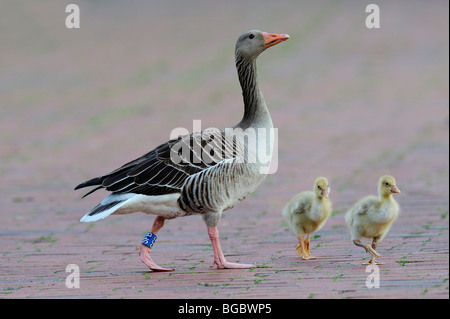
x,y
144,250
219,258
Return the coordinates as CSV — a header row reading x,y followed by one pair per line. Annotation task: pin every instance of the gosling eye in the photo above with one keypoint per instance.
x,y
318,186
251,36
387,184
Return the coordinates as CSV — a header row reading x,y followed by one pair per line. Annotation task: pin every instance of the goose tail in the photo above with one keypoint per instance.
x,y
107,207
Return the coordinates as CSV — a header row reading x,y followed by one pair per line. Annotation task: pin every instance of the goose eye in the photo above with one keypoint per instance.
x,y
318,186
251,36
387,184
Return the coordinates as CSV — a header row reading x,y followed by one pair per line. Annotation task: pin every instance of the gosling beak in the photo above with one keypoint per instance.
x,y
394,189
273,39
324,193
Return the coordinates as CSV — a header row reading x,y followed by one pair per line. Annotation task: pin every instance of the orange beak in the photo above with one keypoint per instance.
x,y
273,39
394,189
324,193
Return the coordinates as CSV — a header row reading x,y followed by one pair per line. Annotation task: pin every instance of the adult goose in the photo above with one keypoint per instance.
x,y
201,173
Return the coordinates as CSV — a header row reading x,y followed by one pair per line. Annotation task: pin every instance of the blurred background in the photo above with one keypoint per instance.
x,y
350,103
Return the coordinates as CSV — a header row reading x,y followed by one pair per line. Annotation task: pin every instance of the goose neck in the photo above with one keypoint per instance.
x,y
255,109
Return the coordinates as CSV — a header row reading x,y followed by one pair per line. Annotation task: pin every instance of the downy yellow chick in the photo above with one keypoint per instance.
x,y
371,216
307,212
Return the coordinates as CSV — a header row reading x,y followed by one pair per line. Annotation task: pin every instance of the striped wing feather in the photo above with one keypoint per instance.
x,y
165,169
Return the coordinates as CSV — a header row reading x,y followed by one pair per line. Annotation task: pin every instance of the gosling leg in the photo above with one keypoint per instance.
x,y
367,248
372,261
301,249
307,249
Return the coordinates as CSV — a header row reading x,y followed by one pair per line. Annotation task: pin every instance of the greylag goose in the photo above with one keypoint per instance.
x,y
307,212
372,216
201,173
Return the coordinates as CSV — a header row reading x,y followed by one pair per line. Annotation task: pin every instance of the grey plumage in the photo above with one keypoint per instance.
x,y
206,172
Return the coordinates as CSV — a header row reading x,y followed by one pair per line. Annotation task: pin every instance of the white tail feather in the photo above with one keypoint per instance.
x,y
121,199
162,205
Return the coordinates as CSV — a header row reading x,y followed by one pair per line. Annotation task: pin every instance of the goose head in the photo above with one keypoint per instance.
x,y
252,43
321,187
387,186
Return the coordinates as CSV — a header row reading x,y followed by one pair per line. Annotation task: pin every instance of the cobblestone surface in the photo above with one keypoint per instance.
x,y
349,103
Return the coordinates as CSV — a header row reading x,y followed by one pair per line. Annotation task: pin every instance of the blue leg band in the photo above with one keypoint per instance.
x,y
149,239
